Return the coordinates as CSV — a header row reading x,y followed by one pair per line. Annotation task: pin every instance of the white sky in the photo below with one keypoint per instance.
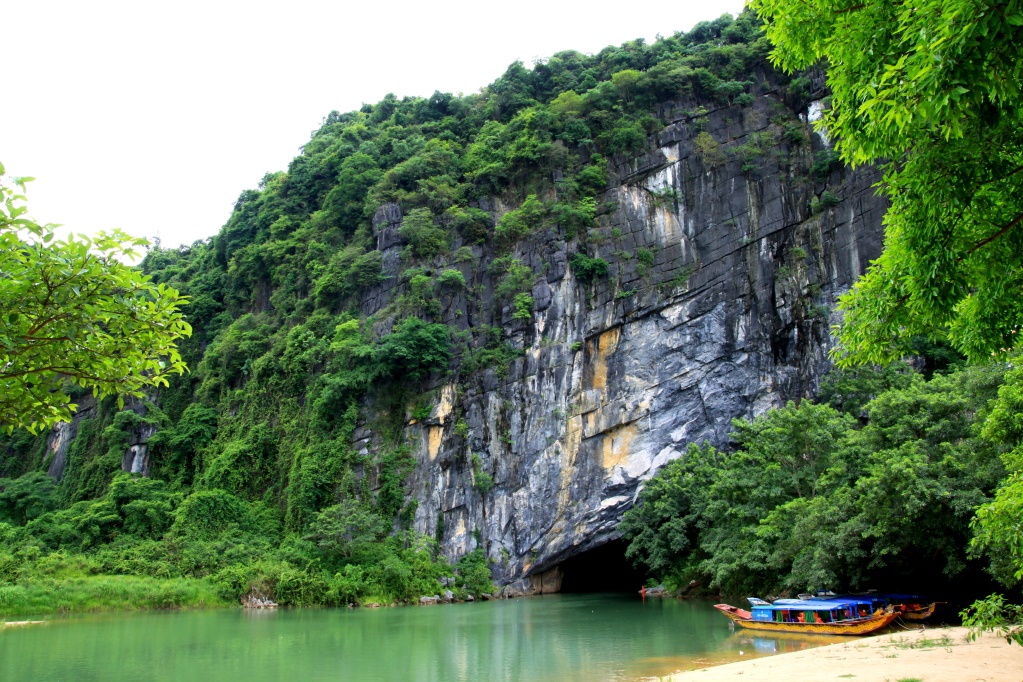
x,y
153,116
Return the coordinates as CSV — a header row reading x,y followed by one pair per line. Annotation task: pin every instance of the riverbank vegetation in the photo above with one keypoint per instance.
x,y
142,544
876,483
39,595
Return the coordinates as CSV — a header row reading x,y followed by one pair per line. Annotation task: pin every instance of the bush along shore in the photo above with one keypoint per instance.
x,y
141,546
892,477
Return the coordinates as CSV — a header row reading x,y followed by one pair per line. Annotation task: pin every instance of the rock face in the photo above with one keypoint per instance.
x,y
617,377
63,434
136,457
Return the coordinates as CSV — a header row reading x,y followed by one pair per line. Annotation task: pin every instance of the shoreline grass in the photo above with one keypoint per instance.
x,y
106,593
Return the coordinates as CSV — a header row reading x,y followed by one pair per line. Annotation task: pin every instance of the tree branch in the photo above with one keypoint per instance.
x,y
996,235
1004,177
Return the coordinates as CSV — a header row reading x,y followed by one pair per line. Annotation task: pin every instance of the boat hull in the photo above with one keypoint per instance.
x,y
861,626
920,614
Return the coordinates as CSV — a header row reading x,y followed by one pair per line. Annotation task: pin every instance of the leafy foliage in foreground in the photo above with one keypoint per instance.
x,y
933,86
994,615
72,314
811,500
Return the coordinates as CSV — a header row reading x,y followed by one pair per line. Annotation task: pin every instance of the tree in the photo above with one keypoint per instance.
x,y
625,82
23,499
568,103
811,499
346,527
474,573
73,315
425,239
933,87
664,528
999,524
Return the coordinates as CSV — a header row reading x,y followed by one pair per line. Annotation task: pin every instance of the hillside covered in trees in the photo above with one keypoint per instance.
x,y
376,310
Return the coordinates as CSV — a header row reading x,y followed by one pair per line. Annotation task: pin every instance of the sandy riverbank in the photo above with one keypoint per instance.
x,y
937,655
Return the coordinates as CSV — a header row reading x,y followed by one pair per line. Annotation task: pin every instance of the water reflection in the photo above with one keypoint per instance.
x,y
740,645
556,638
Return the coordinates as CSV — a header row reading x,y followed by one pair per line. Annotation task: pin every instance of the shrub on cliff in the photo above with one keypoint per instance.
x,y
414,349
474,573
425,239
587,269
516,224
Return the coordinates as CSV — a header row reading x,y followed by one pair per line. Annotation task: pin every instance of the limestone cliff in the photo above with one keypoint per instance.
x,y
731,318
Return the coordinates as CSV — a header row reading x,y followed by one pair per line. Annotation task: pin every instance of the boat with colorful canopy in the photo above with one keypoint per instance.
x,y
876,602
849,616
914,607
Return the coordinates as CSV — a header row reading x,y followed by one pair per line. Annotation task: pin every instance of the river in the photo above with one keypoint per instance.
x,y
554,638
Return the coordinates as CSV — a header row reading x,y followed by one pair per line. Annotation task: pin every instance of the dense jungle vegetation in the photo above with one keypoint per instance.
x,y
874,485
254,485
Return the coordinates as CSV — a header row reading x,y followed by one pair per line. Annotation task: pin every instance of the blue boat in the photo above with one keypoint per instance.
x,y
848,616
874,602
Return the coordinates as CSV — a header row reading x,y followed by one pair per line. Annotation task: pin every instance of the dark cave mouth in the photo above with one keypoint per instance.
x,y
601,569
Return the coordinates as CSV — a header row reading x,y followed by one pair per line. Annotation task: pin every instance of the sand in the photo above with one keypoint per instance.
x,y
935,655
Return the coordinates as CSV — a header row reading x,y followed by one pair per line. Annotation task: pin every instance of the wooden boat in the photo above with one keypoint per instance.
x,y
847,617
863,605
922,613
914,607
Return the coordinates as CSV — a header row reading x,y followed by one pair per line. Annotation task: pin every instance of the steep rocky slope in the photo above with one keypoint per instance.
x,y
731,319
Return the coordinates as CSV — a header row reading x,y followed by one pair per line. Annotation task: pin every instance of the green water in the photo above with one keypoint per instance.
x,y
555,638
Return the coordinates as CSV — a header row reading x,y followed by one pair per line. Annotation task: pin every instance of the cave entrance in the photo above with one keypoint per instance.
x,y
601,569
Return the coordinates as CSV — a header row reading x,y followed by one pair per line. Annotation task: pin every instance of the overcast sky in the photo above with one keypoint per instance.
x,y
153,116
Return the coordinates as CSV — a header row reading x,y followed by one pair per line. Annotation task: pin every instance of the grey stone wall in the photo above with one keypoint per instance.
x,y
619,376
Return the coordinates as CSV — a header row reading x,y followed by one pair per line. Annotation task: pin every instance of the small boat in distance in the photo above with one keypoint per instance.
x,y
847,616
914,607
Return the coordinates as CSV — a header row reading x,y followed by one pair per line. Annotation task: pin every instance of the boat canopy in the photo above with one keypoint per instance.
x,y
873,601
811,604
900,597
811,610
